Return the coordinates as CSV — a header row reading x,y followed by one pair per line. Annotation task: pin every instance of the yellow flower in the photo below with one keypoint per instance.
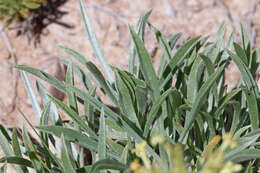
x,y
140,151
210,147
158,139
228,141
230,167
134,166
214,162
140,148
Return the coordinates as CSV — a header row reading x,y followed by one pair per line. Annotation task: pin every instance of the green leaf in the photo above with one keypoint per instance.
x,y
140,28
241,53
108,164
15,144
53,115
101,81
70,112
146,65
114,145
77,70
252,109
193,82
36,160
18,153
16,160
225,100
125,101
220,36
177,59
7,150
70,135
75,55
249,168
102,137
5,145
5,133
242,143
124,155
94,42
245,155
245,38
68,168
235,118
156,106
31,5
163,61
199,100
45,76
162,40
71,95
35,105
128,126
245,73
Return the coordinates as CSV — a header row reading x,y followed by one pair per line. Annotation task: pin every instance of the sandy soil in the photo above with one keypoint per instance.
x,y
110,19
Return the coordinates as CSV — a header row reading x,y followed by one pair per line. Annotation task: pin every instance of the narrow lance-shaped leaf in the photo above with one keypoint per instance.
x,y
35,105
140,28
17,150
192,83
178,58
235,118
101,81
16,160
163,61
162,40
241,53
102,137
245,41
146,65
68,168
245,73
201,95
156,106
94,42
43,75
53,115
108,164
75,136
6,148
74,116
125,100
252,109
71,95
77,69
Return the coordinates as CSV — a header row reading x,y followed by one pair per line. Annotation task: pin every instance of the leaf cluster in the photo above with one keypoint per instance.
x,y
17,9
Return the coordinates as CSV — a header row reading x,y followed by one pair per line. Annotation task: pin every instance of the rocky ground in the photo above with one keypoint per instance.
x,y
110,19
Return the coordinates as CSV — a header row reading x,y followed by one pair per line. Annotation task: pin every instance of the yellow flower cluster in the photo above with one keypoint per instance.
x,y
212,160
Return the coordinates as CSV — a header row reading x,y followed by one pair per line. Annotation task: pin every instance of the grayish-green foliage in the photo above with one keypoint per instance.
x,y
145,103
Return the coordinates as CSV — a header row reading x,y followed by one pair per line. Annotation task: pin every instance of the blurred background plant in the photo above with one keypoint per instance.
x,y
17,9
211,160
30,17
